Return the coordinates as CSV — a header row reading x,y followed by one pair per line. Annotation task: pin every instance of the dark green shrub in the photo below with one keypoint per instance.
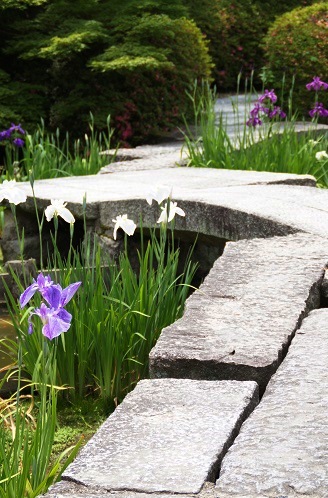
x,y
159,59
131,59
297,46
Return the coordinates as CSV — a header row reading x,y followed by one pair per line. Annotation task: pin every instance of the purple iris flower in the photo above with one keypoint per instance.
x,y
57,297
256,110
55,321
55,318
317,84
276,111
5,135
268,95
18,142
17,128
319,110
41,284
253,121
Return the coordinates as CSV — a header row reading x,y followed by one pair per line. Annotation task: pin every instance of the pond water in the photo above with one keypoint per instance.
x,y
7,331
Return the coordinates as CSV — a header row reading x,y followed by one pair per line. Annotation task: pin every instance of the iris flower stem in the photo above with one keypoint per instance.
x,y
40,223
19,238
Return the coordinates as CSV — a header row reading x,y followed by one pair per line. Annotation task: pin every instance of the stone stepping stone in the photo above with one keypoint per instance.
x,y
168,435
241,321
282,449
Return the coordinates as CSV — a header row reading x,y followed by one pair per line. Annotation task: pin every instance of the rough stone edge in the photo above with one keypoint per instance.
x,y
68,484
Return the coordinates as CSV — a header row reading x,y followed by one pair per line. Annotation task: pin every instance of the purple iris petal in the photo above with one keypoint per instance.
x,y
52,295
41,284
64,315
53,322
54,327
28,294
68,293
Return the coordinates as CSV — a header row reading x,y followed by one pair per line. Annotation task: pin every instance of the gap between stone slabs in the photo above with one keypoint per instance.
x,y
167,436
282,448
241,321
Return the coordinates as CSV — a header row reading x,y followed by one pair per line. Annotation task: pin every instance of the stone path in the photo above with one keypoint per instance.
x,y
254,322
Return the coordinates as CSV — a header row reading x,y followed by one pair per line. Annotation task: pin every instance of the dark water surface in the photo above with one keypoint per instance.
x,y
7,331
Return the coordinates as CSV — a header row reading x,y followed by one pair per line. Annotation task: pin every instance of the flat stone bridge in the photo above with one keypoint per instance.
x,y
237,402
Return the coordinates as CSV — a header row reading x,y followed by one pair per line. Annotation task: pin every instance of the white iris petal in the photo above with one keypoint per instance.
x,y
125,223
159,194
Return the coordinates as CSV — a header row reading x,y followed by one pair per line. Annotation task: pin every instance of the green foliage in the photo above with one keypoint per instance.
x,y
297,46
82,56
48,155
234,29
119,312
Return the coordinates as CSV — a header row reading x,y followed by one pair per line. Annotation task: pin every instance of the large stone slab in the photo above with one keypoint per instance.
x,y
167,436
282,448
239,324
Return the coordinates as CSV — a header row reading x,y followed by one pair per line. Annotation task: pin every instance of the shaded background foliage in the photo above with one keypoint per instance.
x,y
132,59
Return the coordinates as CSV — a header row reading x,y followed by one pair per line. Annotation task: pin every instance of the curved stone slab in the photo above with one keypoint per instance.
x,y
168,435
241,321
282,449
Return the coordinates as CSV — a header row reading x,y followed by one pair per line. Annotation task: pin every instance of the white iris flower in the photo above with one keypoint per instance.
x,y
321,156
168,213
58,208
125,223
10,191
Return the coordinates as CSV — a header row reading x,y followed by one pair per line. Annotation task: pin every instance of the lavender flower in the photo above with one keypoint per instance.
x,y
5,135
268,95
253,121
17,128
317,84
18,142
319,110
56,319
276,112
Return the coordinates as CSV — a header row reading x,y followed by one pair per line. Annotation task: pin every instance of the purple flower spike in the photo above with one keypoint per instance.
x,y
317,84
268,95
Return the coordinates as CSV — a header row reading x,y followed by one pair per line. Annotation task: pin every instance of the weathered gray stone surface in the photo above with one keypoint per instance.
x,y
238,325
65,489
167,436
282,449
